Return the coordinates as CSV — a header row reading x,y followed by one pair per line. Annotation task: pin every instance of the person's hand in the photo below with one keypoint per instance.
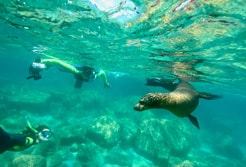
x,y
107,85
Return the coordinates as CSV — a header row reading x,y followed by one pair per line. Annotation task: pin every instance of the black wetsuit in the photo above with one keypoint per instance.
x,y
9,141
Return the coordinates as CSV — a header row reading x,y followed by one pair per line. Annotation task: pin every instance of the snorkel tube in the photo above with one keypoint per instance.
x,y
30,126
42,132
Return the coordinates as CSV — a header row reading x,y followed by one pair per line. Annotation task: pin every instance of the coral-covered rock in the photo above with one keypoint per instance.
x,y
118,158
45,148
54,160
158,139
69,140
185,163
75,132
104,131
29,160
25,95
128,131
88,152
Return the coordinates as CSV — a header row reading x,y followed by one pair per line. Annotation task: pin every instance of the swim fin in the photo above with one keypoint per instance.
x,y
194,121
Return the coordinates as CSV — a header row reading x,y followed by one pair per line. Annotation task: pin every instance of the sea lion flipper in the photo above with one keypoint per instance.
x,y
194,121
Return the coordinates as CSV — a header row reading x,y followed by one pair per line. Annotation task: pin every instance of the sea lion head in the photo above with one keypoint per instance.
x,y
150,100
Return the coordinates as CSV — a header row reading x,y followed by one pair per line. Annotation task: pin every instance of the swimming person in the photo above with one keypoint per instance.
x,y
24,140
81,73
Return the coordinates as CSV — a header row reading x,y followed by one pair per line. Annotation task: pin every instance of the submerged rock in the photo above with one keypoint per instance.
x,y
227,147
118,158
185,163
158,140
54,160
25,95
24,98
128,131
29,160
88,152
45,149
104,131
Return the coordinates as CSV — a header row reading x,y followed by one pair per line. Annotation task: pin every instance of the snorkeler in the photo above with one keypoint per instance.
x,y
24,140
81,73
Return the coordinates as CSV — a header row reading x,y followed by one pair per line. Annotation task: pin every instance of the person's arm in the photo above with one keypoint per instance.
x,y
102,74
55,62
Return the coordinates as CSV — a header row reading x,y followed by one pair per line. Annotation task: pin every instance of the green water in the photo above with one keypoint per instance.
x,y
203,41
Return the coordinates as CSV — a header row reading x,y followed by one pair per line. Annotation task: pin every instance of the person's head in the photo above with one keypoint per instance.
x,y
43,133
88,73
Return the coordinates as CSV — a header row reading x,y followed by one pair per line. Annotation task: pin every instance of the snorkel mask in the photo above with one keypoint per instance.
x,y
89,73
42,132
45,134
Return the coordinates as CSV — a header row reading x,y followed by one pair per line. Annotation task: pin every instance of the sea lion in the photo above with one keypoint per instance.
x,y
181,101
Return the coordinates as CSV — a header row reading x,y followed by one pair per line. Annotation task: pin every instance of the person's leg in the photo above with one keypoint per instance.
x,y
169,84
5,141
17,139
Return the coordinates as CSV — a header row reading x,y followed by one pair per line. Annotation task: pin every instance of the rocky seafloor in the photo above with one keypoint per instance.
x,y
93,130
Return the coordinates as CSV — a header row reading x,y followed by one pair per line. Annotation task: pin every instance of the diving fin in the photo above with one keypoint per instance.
x,y
194,121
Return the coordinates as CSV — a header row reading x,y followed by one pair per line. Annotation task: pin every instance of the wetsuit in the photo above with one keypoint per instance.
x,y
15,142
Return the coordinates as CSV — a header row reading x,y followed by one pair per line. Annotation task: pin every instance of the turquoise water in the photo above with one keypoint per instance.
x,y
202,41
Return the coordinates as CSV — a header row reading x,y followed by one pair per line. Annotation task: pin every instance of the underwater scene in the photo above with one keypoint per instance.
x,y
123,83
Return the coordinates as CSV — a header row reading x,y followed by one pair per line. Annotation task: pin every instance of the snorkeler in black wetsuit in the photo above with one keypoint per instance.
x,y
22,141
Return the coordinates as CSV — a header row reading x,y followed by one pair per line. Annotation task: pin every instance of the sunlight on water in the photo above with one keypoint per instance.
x,y
158,31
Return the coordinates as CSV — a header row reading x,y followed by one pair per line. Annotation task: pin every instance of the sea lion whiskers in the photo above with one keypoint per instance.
x,y
152,100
